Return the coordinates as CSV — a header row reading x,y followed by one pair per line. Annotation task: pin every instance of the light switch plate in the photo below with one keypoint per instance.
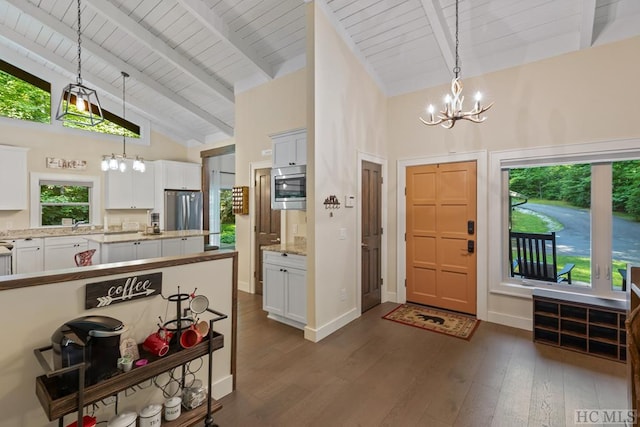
x,y
343,234
349,200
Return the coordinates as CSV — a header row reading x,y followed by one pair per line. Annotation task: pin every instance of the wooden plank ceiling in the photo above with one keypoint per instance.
x,y
186,58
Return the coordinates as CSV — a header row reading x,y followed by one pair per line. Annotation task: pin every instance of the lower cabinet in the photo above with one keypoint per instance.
x,y
182,246
59,252
285,288
28,255
127,251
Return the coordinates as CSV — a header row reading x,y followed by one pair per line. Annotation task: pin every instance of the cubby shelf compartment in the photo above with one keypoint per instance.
x,y
580,324
56,406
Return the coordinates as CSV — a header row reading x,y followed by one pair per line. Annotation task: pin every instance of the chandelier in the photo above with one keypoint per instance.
x,y
117,161
452,109
79,104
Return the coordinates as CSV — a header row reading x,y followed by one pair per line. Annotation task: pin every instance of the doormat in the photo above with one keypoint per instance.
x,y
433,319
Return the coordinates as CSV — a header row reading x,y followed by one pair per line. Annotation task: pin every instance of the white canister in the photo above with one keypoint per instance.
x,y
172,408
126,419
151,416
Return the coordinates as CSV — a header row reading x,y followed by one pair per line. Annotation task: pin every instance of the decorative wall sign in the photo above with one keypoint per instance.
x,y
110,292
56,163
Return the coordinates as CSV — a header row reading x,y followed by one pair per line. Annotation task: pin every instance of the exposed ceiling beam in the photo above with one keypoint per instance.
x,y
126,23
433,10
145,110
90,46
588,21
211,21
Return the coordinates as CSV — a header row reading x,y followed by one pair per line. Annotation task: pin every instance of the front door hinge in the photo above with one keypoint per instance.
x,y
381,230
405,283
381,281
255,228
405,237
381,180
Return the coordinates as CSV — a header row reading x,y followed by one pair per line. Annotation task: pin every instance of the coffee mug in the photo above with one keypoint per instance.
x,y
190,337
157,344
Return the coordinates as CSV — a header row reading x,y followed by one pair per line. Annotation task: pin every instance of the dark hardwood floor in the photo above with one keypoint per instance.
x,y
375,372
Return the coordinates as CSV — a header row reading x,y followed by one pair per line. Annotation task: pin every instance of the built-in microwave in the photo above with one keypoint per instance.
x,y
289,188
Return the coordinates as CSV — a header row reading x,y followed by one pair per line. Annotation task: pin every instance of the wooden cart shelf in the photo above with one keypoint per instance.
x,y
57,406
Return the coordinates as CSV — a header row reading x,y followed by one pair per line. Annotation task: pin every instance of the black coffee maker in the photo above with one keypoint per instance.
x,y
92,339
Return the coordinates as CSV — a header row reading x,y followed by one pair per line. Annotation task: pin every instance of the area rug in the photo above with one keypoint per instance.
x,y
436,320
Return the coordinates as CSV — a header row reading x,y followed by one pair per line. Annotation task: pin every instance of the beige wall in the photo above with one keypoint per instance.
x,y
349,117
54,141
586,96
277,106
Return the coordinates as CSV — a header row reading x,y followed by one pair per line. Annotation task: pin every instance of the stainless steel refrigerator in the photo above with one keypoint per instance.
x,y
182,210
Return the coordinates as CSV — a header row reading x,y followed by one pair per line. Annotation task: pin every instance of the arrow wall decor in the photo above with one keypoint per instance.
x,y
110,292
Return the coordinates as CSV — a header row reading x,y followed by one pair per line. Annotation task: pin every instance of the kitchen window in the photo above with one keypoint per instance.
x,y
58,200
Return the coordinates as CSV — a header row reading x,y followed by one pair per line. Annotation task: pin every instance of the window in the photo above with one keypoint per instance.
x,y
24,96
57,197
60,202
587,194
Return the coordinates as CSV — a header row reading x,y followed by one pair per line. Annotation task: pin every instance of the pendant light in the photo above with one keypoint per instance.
x,y
452,109
87,111
118,162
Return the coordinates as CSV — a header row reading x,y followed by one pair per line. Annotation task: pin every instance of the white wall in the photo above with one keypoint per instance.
x,y
34,313
349,118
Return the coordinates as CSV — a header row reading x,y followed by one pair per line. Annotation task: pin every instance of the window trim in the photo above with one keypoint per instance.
x,y
37,178
499,161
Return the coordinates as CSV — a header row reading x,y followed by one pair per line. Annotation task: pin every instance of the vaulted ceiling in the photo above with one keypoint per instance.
x,y
187,58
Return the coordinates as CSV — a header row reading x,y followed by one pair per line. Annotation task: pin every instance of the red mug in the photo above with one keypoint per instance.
x,y
190,337
157,344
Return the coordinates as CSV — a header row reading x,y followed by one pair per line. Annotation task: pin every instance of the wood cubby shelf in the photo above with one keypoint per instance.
x,y
587,325
57,406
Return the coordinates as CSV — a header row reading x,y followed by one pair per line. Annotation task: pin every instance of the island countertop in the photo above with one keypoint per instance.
x,y
135,237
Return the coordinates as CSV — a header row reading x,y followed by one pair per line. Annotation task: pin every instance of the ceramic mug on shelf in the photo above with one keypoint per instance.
x,y
194,334
157,343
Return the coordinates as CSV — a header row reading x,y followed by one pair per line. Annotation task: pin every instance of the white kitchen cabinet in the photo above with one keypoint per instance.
x,y
13,170
130,189
289,148
28,255
285,288
179,175
129,251
59,252
182,245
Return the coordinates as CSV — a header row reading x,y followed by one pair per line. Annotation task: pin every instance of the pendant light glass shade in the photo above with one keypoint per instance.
x,y
116,162
79,104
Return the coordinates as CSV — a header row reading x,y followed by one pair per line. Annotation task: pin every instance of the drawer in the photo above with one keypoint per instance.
x,y
64,240
28,243
284,259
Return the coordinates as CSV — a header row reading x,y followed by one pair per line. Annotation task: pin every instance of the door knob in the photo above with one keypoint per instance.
x,y
364,245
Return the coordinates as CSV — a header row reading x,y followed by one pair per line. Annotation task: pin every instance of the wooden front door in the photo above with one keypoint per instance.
x,y
371,235
441,223
267,226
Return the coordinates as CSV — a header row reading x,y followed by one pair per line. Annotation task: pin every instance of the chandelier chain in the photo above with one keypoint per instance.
x,y
456,69
79,48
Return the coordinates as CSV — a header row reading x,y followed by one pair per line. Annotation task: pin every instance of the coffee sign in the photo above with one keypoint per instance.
x,y
112,292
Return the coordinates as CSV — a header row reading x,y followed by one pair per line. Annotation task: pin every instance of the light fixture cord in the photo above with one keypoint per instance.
x,y
456,69
124,137
79,48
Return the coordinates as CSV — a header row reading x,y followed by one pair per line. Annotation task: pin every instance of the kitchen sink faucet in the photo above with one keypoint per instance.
x,y
75,225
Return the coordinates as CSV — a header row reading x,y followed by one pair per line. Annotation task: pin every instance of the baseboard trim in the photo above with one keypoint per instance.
x,y
244,286
525,323
222,387
327,329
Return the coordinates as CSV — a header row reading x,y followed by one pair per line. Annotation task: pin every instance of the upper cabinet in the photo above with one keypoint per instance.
x,y
13,169
179,175
290,148
130,189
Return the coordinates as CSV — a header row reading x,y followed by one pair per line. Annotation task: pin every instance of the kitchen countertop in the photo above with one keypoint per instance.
x,y
138,236
298,247
115,234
